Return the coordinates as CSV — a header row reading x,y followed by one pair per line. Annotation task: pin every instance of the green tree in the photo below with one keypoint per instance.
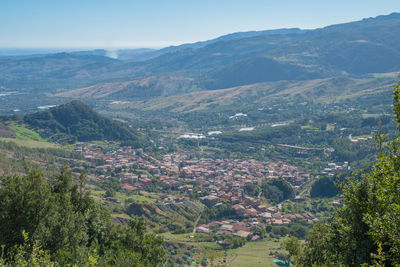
x,y
324,187
252,190
147,245
204,261
261,232
26,203
298,231
27,254
366,229
293,247
277,190
65,223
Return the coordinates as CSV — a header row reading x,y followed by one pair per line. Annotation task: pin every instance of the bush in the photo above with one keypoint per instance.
x,y
324,187
280,230
299,231
277,190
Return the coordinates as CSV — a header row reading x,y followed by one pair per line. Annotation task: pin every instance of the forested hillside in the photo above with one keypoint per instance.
x,y
79,121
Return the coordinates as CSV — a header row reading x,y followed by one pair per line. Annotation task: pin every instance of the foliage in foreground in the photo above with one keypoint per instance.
x,y
66,226
365,231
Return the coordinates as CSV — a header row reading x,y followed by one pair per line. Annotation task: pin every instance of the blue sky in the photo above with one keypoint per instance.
x,y
157,23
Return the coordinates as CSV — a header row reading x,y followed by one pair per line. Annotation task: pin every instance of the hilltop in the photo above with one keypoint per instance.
x,y
77,121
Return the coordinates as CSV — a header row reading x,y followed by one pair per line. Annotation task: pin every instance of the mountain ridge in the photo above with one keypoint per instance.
x,y
354,49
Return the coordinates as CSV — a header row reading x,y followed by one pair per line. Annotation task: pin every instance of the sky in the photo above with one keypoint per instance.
x,y
114,24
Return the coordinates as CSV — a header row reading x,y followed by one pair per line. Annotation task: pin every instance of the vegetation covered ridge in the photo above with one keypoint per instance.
x,y
76,121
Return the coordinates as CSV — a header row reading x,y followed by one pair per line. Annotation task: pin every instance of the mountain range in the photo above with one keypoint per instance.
x,y
354,50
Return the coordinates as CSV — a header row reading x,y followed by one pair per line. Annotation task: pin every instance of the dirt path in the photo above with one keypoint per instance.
x,y
195,224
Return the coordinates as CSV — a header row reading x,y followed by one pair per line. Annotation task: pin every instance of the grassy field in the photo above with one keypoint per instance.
x,y
310,128
24,133
253,254
123,197
27,138
330,127
135,198
30,143
68,147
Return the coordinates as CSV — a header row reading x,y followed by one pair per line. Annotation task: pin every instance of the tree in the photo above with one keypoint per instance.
x,y
277,190
64,222
26,203
293,247
366,229
29,255
324,187
204,261
252,190
299,231
148,246
261,232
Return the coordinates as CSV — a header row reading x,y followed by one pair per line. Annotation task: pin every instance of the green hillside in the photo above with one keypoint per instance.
x,y
77,121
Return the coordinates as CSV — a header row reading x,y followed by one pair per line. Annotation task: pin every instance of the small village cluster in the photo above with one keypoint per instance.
x,y
223,180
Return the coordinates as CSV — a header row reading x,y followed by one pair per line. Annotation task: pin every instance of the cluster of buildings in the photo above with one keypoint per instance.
x,y
334,168
219,181
219,172
245,228
224,178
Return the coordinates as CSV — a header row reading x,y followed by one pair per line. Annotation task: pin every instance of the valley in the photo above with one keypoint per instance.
x,y
226,152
